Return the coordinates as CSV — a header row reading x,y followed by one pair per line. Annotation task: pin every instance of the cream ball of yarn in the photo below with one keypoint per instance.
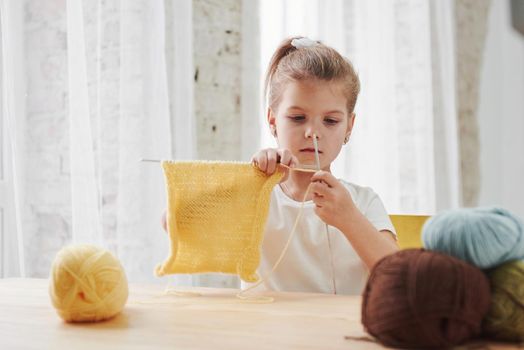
x,y
87,284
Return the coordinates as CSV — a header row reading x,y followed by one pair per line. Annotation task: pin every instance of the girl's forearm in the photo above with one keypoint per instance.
x,y
369,243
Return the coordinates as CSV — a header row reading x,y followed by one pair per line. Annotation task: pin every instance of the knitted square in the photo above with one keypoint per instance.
x,y
216,215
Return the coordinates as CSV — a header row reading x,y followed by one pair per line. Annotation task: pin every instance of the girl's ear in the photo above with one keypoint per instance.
x,y
351,121
271,119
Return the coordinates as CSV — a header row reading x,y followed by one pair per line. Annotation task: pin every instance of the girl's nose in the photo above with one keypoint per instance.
x,y
310,133
311,130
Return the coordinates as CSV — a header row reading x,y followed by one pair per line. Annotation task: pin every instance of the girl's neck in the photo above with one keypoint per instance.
x,y
296,185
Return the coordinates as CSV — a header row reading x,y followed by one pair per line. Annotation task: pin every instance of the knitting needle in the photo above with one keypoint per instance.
x,y
317,158
303,167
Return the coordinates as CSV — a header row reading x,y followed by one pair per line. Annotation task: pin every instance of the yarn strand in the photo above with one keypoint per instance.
x,y
317,159
241,294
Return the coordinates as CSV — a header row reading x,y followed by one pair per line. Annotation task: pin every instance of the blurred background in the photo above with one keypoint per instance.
x,y
89,87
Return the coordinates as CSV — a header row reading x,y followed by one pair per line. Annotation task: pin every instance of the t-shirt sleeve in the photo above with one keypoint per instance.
x,y
376,213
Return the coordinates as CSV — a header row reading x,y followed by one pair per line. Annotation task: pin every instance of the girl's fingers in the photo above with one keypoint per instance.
x,y
288,158
325,177
267,160
271,161
261,161
319,200
285,157
319,189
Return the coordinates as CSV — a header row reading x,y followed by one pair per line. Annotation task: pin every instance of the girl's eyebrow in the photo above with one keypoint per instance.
x,y
335,111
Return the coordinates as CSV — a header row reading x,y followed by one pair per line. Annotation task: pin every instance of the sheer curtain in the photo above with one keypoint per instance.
x,y
123,69
130,195
12,92
404,142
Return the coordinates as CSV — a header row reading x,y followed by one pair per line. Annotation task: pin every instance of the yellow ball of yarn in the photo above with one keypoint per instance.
x,y
505,319
87,284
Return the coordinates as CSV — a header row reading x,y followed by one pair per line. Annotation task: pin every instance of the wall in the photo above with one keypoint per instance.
x,y
217,41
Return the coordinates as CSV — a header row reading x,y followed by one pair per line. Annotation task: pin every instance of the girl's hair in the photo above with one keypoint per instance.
x,y
317,61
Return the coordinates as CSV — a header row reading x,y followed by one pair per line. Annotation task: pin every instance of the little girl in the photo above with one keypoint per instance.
x,y
312,91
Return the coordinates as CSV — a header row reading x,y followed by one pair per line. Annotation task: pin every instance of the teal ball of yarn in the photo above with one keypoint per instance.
x,y
485,237
505,319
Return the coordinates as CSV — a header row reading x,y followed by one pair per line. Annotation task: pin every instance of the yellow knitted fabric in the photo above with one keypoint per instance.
x,y
216,215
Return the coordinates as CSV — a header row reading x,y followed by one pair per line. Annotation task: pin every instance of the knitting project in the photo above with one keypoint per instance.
x,y
216,215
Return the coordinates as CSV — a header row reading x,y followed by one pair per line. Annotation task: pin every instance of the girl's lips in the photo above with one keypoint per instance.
x,y
309,150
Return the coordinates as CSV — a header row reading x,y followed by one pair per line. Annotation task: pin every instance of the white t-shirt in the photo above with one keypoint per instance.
x,y
306,266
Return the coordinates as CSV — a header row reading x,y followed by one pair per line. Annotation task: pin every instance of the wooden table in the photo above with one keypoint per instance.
x,y
214,320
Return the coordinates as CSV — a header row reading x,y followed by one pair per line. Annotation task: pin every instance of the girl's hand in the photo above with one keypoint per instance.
x,y
268,159
333,201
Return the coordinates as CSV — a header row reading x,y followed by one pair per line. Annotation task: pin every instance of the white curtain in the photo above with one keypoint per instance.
x,y
86,222
125,73
501,112
12,92
404,142
140,125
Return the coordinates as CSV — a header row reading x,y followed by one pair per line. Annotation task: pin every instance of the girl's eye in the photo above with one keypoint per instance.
x,y
297,118
331,121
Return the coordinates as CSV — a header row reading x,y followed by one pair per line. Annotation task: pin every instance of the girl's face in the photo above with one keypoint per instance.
x,y
312,107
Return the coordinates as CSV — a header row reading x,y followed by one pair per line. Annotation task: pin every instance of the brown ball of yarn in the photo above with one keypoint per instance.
x,y
422,299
